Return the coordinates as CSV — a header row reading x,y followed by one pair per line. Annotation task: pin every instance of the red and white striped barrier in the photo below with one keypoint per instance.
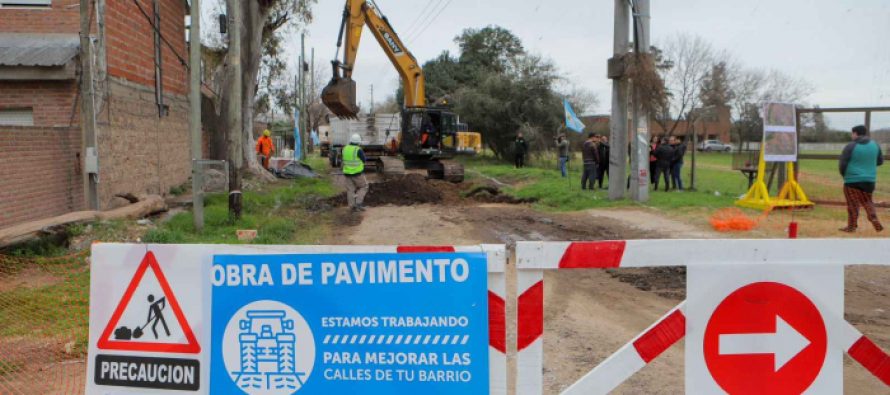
x,y
533,258
497,308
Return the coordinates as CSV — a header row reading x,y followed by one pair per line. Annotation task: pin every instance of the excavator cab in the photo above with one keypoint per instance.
x,y
339,95
428,133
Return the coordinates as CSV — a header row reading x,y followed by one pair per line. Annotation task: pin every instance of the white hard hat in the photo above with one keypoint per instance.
x,y
355,139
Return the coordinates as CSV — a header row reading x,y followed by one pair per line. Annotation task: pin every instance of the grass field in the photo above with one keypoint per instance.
x,y
279,212
716,186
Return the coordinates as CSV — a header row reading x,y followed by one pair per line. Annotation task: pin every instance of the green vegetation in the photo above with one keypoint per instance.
x,y
717,185
52,303
279,212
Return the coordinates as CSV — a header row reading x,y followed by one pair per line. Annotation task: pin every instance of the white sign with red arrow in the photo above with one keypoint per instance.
x,y
755,328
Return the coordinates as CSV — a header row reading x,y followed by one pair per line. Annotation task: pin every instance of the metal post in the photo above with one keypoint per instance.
x,y
868,120
195,113
90,155
235,115
639,166
618,124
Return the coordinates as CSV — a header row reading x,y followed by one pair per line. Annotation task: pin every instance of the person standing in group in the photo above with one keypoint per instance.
x,y
590,157
602,165
562,148
653,145
664,155
859,166
265,147
520,149
354,173
677,163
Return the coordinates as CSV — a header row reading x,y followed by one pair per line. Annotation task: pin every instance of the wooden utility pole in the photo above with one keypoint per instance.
x,y
90,153
195,113
639,161
234,109
618,124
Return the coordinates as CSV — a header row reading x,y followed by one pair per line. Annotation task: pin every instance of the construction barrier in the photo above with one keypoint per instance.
x,y
169,269
801,282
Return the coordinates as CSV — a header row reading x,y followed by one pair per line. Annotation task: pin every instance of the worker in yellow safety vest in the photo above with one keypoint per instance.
x,y
353,170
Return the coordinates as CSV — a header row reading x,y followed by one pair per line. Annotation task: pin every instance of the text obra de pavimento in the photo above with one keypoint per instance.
x,y
392,271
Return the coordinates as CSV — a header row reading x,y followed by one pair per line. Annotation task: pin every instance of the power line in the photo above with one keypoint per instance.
x,y
430,22
417,19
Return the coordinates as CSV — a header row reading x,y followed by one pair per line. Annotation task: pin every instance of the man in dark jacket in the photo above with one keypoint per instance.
x,y
859,166
677,163
520,148
602,166
664,155
562,149
590,157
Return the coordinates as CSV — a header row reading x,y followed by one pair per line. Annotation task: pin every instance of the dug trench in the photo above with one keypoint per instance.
x,y
589,314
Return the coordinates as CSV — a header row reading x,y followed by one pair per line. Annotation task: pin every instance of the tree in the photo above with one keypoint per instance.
x,y
491,48
265,21
502,104
582,100
685,62
715,90
750,88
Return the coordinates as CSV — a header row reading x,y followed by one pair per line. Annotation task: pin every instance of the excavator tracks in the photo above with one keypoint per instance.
x,y
447,170
391,166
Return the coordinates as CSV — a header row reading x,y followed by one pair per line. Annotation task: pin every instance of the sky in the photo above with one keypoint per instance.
x,y
839,46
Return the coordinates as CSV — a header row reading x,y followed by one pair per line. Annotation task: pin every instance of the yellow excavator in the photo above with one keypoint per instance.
x,y
428,137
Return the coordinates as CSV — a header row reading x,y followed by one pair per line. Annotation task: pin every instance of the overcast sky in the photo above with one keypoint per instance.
x,y
840,46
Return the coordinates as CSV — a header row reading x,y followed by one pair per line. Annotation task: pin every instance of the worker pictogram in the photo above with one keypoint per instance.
x,y
148,316
268,349
774,331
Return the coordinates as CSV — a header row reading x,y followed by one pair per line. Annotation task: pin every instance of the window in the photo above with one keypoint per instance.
x,y
25,3
17,117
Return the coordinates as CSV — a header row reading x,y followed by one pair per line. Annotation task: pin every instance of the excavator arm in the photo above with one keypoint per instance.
x,y
339,94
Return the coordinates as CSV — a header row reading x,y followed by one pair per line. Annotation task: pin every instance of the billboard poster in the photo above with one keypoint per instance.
x,y
779,132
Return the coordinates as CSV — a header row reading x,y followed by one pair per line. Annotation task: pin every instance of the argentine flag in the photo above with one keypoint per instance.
x,y
572,121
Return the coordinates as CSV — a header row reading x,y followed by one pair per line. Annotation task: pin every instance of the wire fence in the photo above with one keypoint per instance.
x,y
44,324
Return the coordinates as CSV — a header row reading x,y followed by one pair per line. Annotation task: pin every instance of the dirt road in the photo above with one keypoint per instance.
x,y
591,313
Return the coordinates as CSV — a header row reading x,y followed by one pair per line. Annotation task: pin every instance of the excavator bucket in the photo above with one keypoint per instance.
x,y
339,97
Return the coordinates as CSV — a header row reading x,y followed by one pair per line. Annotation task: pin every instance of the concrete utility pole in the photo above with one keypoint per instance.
x,y
618,124
311,98
88,112
303,132
195,113
235,114
639,162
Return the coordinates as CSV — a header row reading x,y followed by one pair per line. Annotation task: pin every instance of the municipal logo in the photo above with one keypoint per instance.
x,y
268,349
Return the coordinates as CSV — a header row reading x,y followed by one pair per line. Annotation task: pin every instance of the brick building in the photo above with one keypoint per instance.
x,y
712,123
141,88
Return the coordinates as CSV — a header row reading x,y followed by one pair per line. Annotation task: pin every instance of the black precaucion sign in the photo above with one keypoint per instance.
x,y
143,372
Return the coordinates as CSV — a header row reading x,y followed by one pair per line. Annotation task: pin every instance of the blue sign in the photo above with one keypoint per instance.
x,y
350,324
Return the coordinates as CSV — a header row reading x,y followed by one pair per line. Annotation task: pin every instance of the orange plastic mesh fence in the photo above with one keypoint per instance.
x,y
733,220
44,324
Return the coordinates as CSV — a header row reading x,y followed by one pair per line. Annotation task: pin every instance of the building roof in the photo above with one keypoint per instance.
x,y
45,50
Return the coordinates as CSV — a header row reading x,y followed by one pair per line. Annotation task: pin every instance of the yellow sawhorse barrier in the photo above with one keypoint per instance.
x,y
790,196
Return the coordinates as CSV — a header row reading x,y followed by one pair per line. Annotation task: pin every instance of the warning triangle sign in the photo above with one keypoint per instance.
x,y
153,320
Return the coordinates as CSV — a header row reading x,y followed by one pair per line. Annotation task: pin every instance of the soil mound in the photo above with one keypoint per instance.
x,y
403,191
